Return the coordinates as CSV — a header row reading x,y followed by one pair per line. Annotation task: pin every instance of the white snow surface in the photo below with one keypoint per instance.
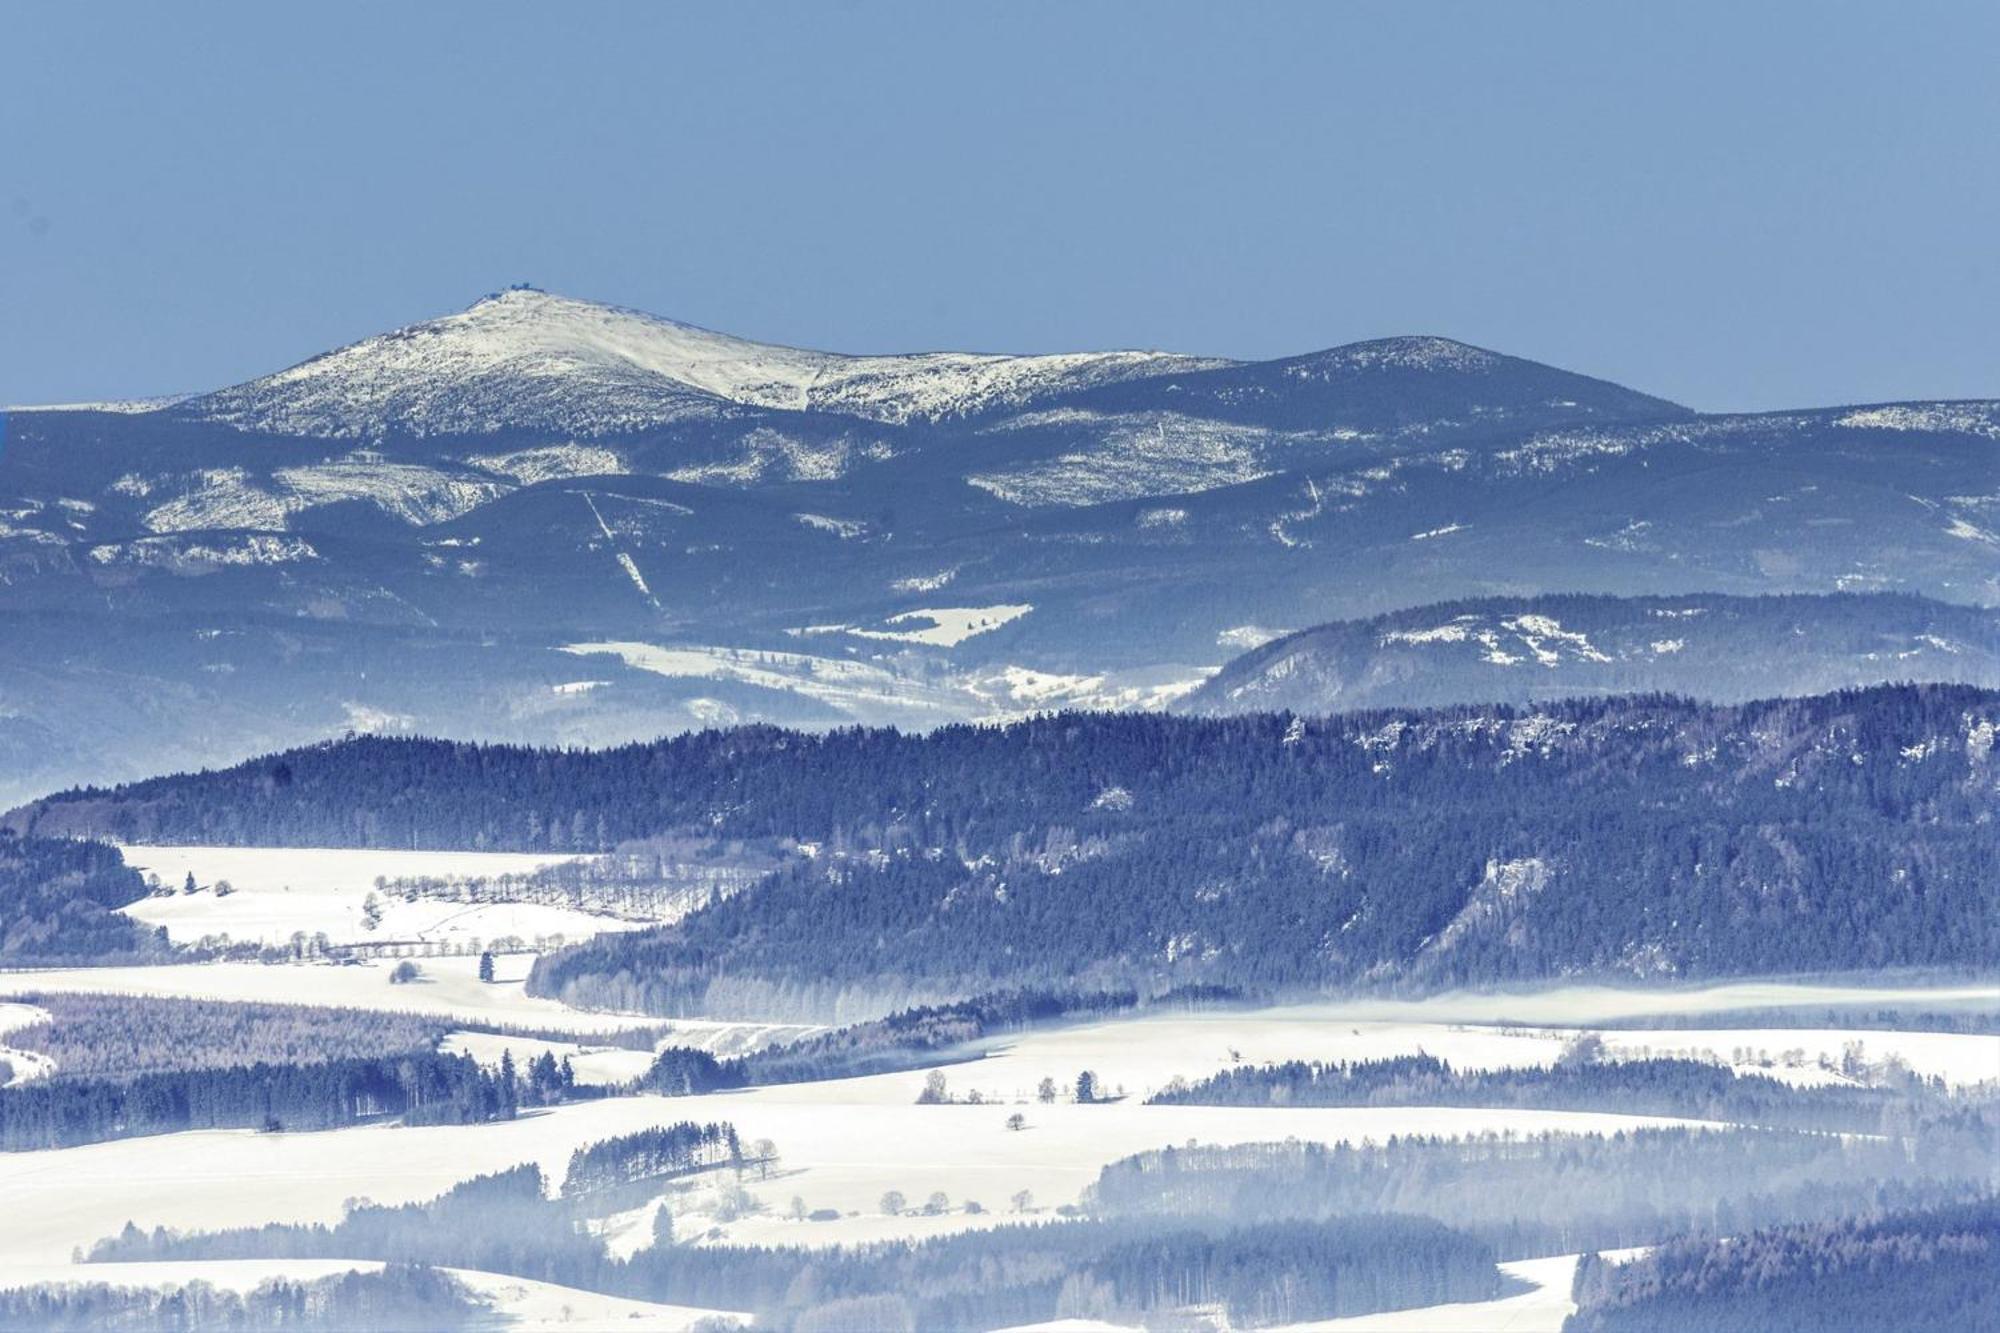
x,y
947,626
1506,640
533,360
830,1134
27,1065
830,1137
232,498
1542,1309
280,890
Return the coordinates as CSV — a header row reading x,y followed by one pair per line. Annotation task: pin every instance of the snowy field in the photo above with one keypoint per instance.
x,y
22,1066
842,1144
280,891
834,1152
1960,1059
1539,1310
595,1066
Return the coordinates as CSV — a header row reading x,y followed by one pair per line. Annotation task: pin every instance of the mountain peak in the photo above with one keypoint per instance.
x,y
1408,352
528,359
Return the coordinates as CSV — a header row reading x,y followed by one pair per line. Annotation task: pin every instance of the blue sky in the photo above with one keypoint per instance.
x,y
1735,205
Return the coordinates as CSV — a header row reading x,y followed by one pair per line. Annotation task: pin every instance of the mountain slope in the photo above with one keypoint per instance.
x,y
1516,650
528,360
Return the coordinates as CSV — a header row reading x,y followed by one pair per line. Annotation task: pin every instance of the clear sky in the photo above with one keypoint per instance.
x,y
1736,205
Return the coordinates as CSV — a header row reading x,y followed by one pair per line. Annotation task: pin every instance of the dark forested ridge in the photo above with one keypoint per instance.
x,y
59,900
1649,837
1932,1270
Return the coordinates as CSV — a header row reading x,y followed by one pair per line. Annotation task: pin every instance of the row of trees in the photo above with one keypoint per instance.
x,y
1695,1089
651,1154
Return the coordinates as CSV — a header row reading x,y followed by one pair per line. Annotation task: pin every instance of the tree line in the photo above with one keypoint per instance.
x,y
1691,1089
422,1087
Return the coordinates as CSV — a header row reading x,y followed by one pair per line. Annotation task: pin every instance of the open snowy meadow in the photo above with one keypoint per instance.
x,y
843,1144
996,1152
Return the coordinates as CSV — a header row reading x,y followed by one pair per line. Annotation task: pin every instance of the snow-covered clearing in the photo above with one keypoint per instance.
x,y
26,1066
595,1066
520,1303
1959,1058
833,680
945,627
841,1143
841,1146
1540,1310
278,891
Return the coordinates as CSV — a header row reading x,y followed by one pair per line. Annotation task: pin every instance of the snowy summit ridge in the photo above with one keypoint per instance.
x,y
531,359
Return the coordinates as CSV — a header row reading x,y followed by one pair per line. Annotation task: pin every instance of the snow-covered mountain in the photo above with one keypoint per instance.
x,y
528,360
547,519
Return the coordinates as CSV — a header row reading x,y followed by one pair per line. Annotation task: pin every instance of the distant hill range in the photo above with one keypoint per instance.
x,y
1523,649
544,519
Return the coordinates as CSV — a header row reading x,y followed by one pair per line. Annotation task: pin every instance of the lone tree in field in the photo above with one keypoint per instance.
x,y
486,966
1047,1091
189,886
765,1153
935,1092
893,1203
1086,1087
1017,1121
1023,1200
371,912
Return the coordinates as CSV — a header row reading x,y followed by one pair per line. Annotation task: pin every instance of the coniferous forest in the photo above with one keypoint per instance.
x,y
1931,1270
422,1087
1648,838
59,901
